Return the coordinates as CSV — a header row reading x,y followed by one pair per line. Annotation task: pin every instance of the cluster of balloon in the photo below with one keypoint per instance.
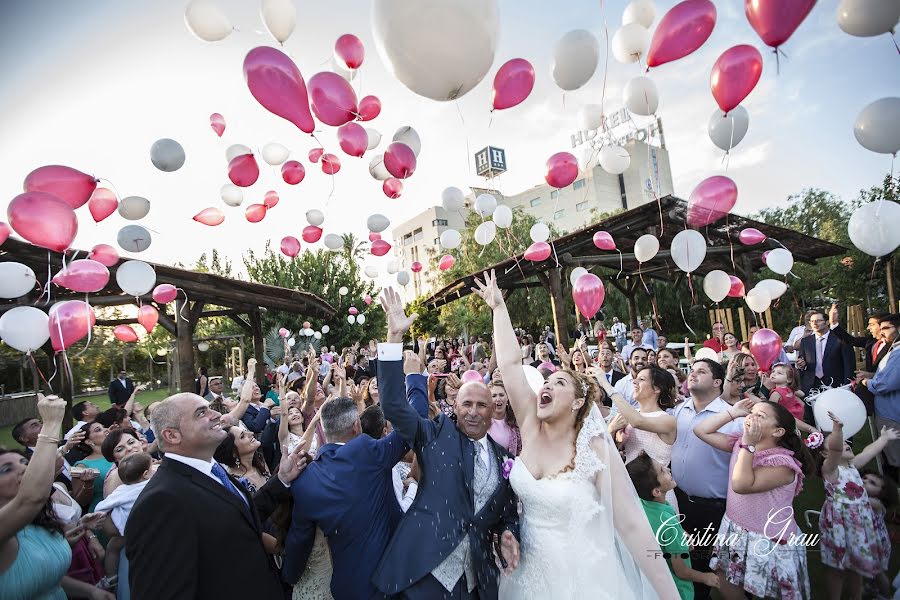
x,y
873,228
562,169
271,199
103,202
217,123
25,328
727,131
133,238
69,322
276,83
135,277
681,31
750,236
85,275
512,84
293,172
773,21
290,246
712,199
765,345
167,155
210,216
575,59
688,250
255,213
16,279
104,254
864,18
734,75
588,293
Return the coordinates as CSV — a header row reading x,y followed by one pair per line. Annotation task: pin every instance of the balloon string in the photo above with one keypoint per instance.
x,y
37,370
606,65
730,243
895,43
621,263
683,318
55,371
465,135
46,288
181,312
691,287
89,328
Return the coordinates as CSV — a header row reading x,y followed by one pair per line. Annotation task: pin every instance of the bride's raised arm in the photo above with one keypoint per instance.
x,y
509,356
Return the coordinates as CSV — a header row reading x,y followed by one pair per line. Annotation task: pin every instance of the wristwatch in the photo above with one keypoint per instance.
x,y
749,448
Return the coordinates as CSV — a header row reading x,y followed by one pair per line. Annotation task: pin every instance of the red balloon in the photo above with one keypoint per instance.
x,y
712,199
538,252
350,50
271,199
311,234
447,261
415,267
681,31
71,185
290,246
775,21
380,247
331,164
353,310
292,172
374,236
104,254
333,100
562,169
43,219
164,293
513,83
400,160
148,316
392,187
734,75
83,275
210,216
103,203
4,232
765,346
751,236
124,333
243,170
217,122
255,213
588,293
276,83
737,287
353,139
70,321
315,154
369,108
604,241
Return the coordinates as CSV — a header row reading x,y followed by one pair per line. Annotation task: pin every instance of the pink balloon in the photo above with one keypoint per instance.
x,y
104,254
447,261
148,317
562,169
243,170
353,311
290,246
217,122
331,164
165,293
765,346
255,213
71,185
43,219
276,83
751,236
353,139
271,199
369,108
70,321
103,203
367,299
283,332
400,160
392,187
311,234
776,21
712,199
125,333
306,325
380,247
603,240
4,232
734,75
315,154
333,100
538,252
415,267
512,83
471,376
765,257
737,287
292,172
588,293
681,31
83,275
210,216
374,236
350,50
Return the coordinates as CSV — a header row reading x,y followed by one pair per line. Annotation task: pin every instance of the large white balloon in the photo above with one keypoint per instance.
x,y
534,378
207,21
235,150
873,228
25,328
726,132
135,277
377,223
773,287
539,232
16,279
392,267
877,127
640,96
274,153
590,117
450,239
333,241
780,261
485,205
407,135
758,300
440,50
134,208
614,159
315,217
232,195
453,199
576,273
630,43
325,328
646,247
280,17
374,138
717,284
502,216
485,233
688,250
865,18
351,319
377,168
575,59
317,335
167,155
134,238
639,11
360,319
371,271
843,404
403,278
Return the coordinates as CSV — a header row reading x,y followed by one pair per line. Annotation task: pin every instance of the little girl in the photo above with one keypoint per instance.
x,y
787,393
849,542
882,493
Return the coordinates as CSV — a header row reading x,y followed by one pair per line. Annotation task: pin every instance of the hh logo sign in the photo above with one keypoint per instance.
x,y
490,161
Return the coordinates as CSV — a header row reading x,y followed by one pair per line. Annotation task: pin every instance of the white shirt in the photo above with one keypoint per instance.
x,y
625,386
284,369
78,426
796,333
236,385
483,452
201,465
405,499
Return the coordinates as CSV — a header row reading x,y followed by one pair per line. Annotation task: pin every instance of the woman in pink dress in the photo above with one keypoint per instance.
x,y
504,429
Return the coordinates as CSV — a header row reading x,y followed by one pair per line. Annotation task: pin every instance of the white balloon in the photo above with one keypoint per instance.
x,y
639,11
717,284
360,319
575,59
392,267
407,135
134,208
873,228
351,319
773,287
688,250
203,346
318,335
630,43
16,279
315,217
590,117
780,260
275,154
440,50
843,404
280,17
291,342
450,239
371,271
726,132
377,223
134,238
325,328
235,150
333,241
167,155
343,291
485,233
453,199
485,205
646,247
576,273
707,353
614,159
640,96
403,278
232,195
866,18
25,328
534,378
135,277
758,300
207,21
877,127
588,158
539,232
377,168
307,332
502,216
374,138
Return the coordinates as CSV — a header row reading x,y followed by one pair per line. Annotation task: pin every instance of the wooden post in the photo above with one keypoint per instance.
x,y
770,323
557,304
729,322
258,346
889,273
184,333
744,328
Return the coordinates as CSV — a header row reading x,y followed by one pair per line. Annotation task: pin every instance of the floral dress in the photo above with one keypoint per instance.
x,y
849,538
884,537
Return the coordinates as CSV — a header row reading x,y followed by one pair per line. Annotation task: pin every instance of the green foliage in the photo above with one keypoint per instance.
x,y
429,321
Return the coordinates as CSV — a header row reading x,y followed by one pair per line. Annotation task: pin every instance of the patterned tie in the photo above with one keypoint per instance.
x,y
222,476
820,351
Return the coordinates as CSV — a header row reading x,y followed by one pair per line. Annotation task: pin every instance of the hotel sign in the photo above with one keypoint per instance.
x,y
619,120
490,161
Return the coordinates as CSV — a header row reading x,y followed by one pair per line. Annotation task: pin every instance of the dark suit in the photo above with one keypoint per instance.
x,y
118,393
615,376
868,343
838,366
189,537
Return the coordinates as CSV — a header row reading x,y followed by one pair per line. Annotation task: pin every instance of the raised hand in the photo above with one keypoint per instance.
x,y
398,322
488,290
292,463
412,364
889,434
834,315
742,408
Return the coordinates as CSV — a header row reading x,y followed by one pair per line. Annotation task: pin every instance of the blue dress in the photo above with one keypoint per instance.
x,y
40,565
102,465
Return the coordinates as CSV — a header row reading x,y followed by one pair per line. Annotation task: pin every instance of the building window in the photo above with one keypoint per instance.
x,y
439,222
535,202
578,184
581,206
437,241
407,239
554,194
559,214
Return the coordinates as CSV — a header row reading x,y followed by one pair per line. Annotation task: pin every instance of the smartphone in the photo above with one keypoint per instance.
x,y
439,374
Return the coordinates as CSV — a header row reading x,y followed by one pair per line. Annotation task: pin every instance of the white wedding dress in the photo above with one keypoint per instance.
x,y
569,547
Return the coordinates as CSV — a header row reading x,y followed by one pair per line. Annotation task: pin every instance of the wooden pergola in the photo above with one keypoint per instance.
x,y
576,249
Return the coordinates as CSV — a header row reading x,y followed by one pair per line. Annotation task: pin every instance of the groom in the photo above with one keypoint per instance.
x,y
444,546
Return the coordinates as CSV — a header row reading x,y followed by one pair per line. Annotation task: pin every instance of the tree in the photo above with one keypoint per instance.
x,y
428,323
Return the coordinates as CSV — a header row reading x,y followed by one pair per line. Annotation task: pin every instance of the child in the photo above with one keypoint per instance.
x,y
850,548
135,471
787,393
652,480
882,493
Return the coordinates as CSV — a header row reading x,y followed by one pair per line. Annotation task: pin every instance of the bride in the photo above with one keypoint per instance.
x,y
584,533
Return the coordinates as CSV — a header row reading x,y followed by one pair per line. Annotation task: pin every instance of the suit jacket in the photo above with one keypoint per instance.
x,y
189,537
255,418
867,342
119,394
444,509
838,364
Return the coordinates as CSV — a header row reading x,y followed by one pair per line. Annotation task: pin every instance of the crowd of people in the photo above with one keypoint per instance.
x,y
506,465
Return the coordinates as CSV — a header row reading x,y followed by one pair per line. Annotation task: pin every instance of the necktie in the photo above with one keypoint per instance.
x,y
876,347
609,377
820,351
222,476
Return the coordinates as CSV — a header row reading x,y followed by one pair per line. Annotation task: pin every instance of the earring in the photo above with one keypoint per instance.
x,y
574,408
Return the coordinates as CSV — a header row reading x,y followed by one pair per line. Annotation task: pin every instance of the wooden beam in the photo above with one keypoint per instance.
x,y
557,305
241,323
258,345
185,346
195,312
166,322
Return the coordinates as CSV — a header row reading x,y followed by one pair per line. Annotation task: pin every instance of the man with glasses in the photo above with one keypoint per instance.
x,y
885,385
828,361
715,342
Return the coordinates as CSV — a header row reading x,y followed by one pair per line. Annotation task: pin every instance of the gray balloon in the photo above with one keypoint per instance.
x,y
133,238
167,155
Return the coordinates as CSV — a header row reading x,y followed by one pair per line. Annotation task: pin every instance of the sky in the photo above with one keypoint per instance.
x,y
93,84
